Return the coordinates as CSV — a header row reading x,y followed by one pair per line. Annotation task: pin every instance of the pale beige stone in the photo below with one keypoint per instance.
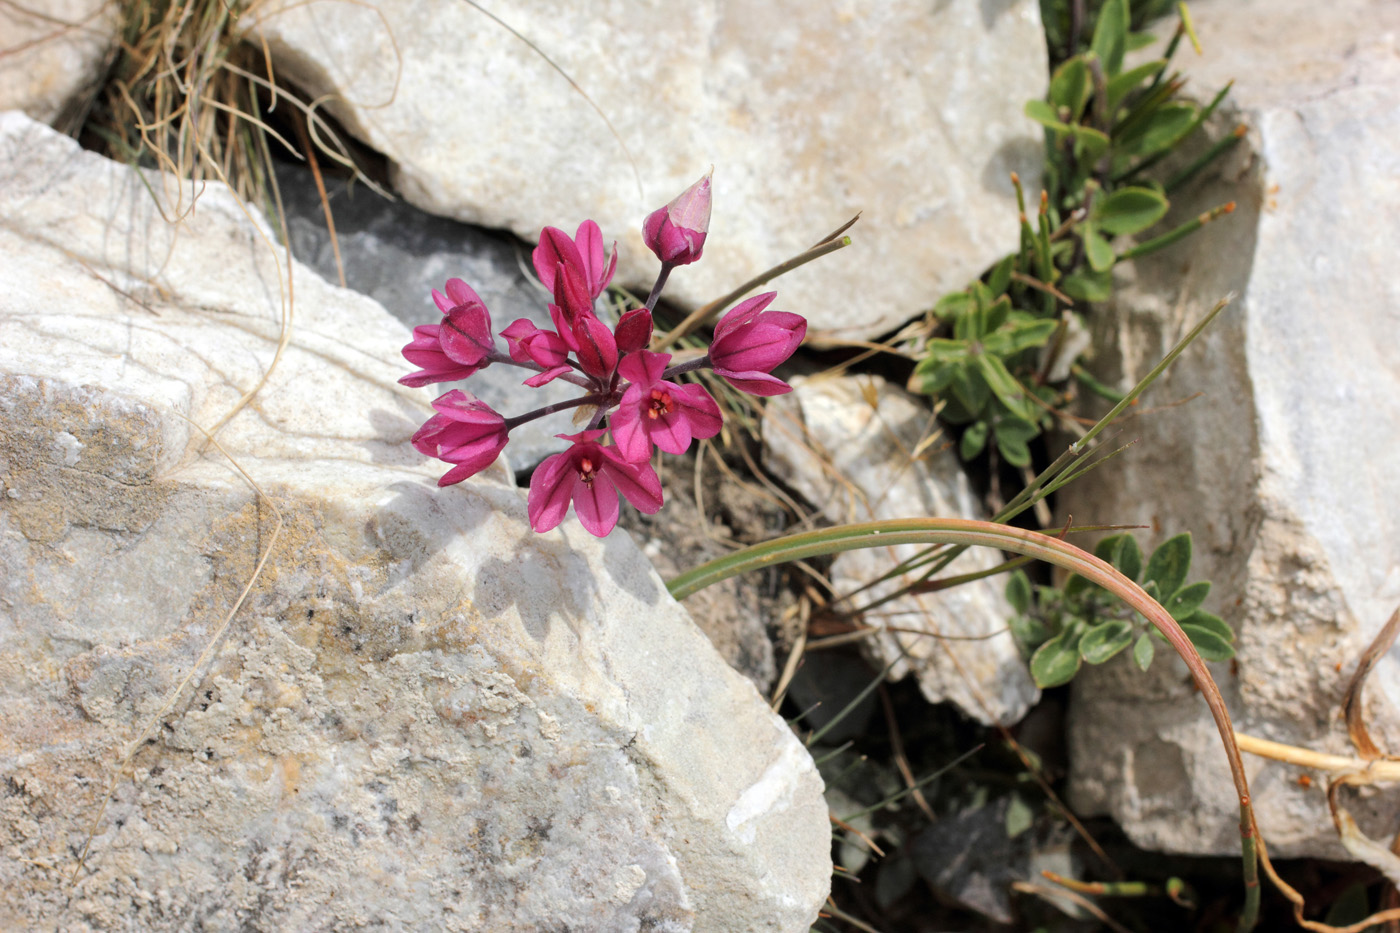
x,y
809,112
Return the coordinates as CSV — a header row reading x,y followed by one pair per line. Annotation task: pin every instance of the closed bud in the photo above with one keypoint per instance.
x,y
676,232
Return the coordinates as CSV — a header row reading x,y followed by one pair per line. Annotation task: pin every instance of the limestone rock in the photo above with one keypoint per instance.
x,y
52,53
397,254
423,716
808,112
1284,470
855,448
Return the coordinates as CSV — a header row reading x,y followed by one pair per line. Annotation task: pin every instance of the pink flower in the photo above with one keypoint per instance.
x,y
466,432
466,328
425,350
582,258
596,347
590,476
676,232
545,348
749,342
633,331
655,411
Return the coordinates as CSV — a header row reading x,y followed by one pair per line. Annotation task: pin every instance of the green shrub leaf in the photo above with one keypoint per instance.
x,y
1169,564
1088,286
973,441
1125,83
1202,619
1129,210
1028,631
1160,131
1143,651
1097,250
1122,551
1018,592
1070,86
1187,600
1111,36
1104,641
1057,661
1013,440
1211,646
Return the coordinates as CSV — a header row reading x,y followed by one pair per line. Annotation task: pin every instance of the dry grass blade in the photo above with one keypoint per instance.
x,y
1079,900
1351,703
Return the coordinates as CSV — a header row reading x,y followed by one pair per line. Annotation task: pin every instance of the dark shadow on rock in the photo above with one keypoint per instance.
x,y
397,254
992,11
1024,156
627,566
395,430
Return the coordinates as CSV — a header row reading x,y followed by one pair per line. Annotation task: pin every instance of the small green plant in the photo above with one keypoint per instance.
x,y
1106,124
1063,628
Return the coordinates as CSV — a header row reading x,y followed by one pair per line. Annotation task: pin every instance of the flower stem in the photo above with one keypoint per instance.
x,y
496,356
513,423
660,284
688,366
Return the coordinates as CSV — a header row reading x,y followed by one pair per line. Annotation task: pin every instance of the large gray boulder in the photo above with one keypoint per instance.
x,y
1284,471
423,715
910,112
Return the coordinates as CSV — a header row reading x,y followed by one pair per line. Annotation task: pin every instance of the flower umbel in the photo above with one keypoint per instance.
x,y
627,391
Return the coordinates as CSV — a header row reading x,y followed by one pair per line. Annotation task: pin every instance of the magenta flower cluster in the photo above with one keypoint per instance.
x,y
633,392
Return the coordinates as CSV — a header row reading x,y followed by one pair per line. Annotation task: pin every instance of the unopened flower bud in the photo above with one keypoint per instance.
x,y
676,232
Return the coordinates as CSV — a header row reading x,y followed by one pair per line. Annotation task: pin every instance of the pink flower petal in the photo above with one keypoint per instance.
x,y
596,505
551,489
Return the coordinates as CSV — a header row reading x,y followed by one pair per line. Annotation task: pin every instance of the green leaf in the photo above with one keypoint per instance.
x,y
1076,586
1122,551
1143,651
1018,592
973,441
1126,82
1057,661
1211,646
1013,438
995,316
1202,619
1129,210
1098,250
1161,130
1002,384
1111,36
1070,86
1187,600
1019,816
1088,285
1021,335
953,305
999,279
1169,564
933,373
1138,40
1029,631
1105,640
1046,115
1089,144
969,386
